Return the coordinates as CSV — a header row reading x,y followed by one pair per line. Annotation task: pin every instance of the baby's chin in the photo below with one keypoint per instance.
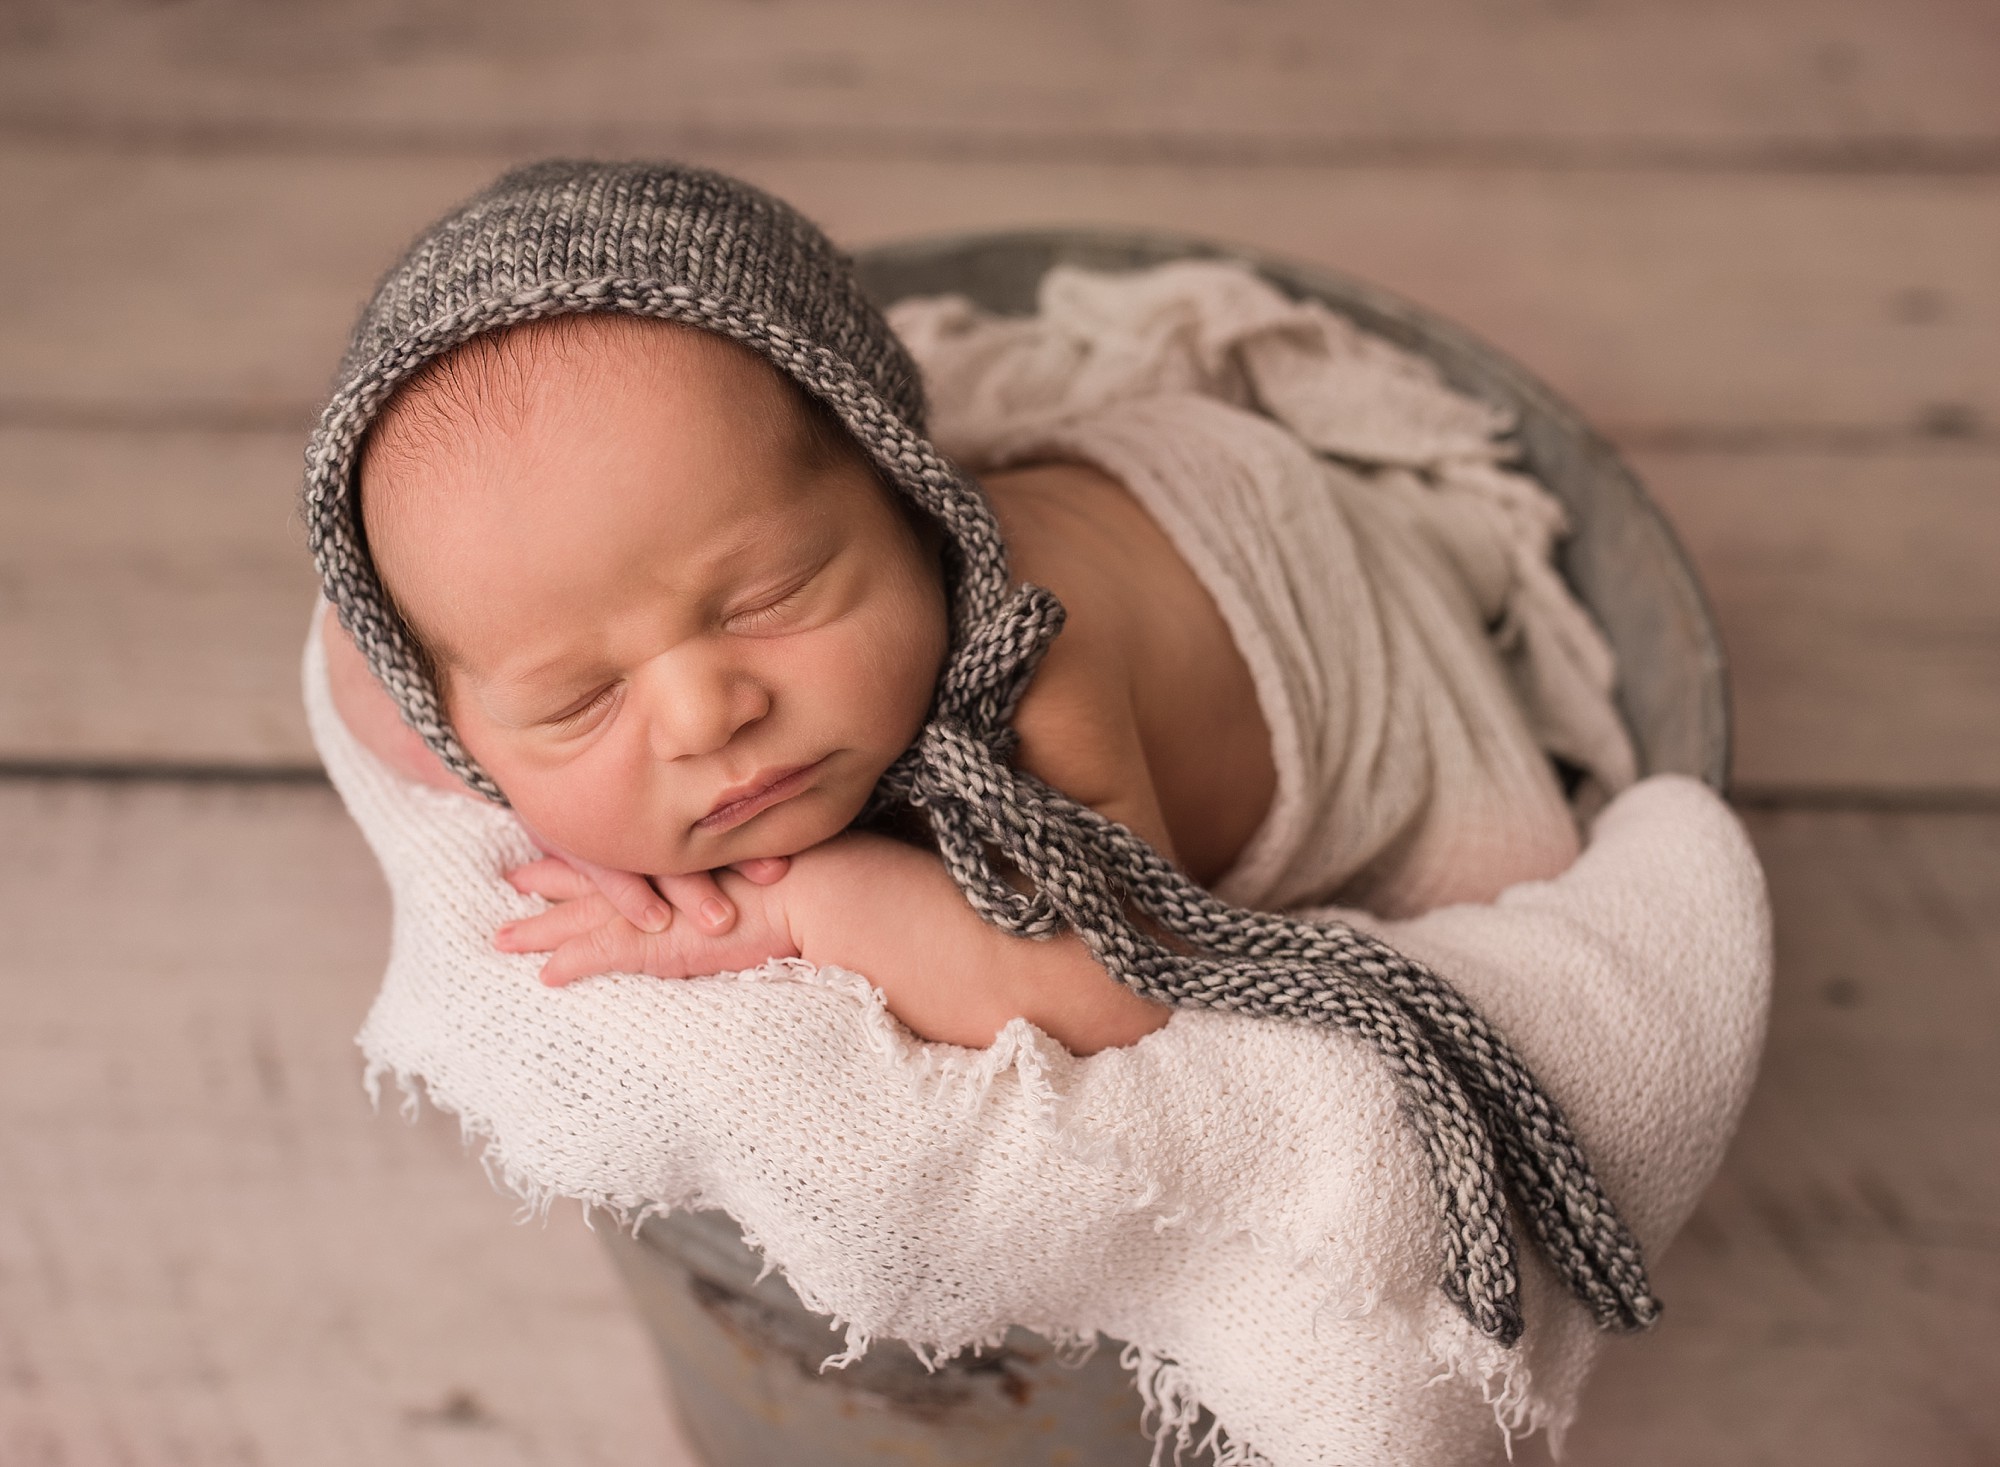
x,y
783,830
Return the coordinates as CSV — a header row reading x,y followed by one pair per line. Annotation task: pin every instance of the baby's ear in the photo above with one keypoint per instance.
x,y
372,716
930,534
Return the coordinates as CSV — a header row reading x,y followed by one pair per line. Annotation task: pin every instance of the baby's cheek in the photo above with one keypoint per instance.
x,y
908,655
587,807
883,693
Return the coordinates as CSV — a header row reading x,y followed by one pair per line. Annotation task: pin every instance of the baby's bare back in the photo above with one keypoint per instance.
x,y
1143,708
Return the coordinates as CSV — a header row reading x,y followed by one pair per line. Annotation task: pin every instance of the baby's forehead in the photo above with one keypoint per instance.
x,y
529,390
500,380
543,391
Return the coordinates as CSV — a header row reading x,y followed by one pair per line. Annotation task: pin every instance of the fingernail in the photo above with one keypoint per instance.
x,y
504,935
656,918
714,913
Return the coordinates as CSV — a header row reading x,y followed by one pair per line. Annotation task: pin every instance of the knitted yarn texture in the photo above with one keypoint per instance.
x,y
695,247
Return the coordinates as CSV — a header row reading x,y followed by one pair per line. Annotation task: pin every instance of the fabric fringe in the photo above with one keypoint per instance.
x,y
1172,1409
964,1079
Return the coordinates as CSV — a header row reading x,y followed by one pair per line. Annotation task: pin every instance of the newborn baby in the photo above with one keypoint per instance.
x,y
713,605
675,614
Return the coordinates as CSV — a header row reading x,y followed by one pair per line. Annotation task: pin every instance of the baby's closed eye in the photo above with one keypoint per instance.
x,y
580,716
771,613
809,585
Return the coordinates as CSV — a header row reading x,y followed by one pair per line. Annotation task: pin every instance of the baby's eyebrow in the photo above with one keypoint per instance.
x,y
763,543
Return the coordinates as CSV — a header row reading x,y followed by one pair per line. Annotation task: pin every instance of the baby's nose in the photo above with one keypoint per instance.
x,y
701,708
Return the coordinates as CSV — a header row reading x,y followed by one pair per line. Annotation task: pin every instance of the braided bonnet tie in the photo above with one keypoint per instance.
x,y
1477,1110
1480,1114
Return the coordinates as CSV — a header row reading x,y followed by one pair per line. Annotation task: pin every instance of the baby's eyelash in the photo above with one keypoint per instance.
x,y
576,715
757,616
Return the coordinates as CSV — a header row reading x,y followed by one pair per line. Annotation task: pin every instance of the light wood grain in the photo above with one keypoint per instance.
x,y
153,589
222,287
1859,609
1540,78
211,1250
1835,1299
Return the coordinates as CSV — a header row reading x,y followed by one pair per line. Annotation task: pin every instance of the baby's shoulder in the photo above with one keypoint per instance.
x,y
1078,722
1078,531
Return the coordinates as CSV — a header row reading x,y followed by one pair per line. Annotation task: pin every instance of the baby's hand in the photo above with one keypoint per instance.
x,y
638,899
586,933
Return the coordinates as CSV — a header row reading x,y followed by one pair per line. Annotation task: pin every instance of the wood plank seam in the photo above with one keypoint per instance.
x,y
1894,154
1826,799
1946,425
164,771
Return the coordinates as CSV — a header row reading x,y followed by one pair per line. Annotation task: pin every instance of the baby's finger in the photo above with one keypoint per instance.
x,y
615,946
546,931
551,877
698,893
633,896
763,870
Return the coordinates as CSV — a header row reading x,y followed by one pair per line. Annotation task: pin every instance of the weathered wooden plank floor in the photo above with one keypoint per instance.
x,y
211,1250
1835,1298
1669,305
1756,242
1825,82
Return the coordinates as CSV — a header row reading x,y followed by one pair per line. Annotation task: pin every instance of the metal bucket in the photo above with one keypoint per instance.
x,y
742,1357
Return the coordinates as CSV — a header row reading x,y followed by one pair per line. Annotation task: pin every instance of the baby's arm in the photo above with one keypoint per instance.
x,y
892,912
878,907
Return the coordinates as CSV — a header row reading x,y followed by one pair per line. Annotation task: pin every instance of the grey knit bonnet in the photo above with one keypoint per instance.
x,y
691,246
673,243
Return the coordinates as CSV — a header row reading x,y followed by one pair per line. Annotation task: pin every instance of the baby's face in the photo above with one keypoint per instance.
x,y
675,634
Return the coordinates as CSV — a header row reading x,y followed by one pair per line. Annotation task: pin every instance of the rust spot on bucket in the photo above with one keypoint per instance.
x,y
459,1408
1015,1386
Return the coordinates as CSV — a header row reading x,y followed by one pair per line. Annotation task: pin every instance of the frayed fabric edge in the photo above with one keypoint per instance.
x,y
1170,1413
963,1078
1501,1376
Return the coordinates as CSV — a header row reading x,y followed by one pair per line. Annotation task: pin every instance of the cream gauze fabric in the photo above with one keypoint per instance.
x,y
1237,1198
1413,649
